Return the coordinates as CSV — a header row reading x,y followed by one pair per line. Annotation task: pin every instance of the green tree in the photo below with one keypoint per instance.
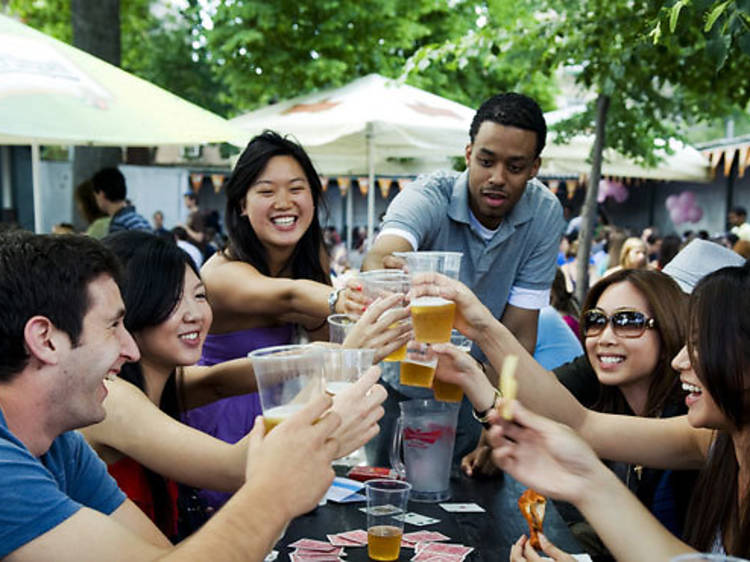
x,y
647,85
268,51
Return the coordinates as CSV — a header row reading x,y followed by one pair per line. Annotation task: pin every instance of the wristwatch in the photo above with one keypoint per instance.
x,y
333,298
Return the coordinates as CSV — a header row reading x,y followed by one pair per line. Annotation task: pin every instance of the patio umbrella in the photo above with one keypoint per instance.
x,y
366,126
53,93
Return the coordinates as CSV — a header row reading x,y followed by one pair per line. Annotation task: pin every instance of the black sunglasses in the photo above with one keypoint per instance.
x,y
625,323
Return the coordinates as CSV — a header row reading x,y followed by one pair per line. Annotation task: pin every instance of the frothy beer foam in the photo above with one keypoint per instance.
x,y
430,301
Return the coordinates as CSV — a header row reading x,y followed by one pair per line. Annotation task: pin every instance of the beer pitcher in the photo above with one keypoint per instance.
x,y
426,430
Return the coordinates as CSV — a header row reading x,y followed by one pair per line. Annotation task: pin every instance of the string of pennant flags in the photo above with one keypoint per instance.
x,y
727,155
383,183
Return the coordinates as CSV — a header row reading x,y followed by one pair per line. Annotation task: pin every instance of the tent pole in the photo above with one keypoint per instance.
x,y
349,218
370,135
5,178
36,189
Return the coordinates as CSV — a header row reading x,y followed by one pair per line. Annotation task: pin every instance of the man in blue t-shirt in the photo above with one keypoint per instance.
x,y
61,335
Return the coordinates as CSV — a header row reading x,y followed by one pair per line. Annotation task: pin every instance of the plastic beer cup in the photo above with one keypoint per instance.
x,y
382,283
418,366
447,391
432,317
385,499
288,376
339,326
343,366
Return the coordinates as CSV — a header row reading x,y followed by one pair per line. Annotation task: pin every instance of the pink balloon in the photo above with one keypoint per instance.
x,y
687,199
695,213
676,216
671,202
620,193
603,192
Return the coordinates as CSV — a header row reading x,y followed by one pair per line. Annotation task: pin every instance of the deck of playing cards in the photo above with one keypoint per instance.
x,y
440,552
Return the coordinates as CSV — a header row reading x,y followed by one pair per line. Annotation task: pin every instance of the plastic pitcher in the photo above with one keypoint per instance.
x,y
426,430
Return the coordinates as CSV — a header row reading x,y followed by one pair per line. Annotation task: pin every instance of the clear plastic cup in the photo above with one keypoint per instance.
x,y
418,365
382,283
343,366
339,326
447,391
289,377
385,499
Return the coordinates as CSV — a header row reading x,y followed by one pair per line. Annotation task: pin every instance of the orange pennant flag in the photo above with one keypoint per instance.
x,y
196,180
364,184
344,183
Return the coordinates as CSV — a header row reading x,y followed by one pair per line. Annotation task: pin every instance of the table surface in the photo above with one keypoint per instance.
x,y
491,533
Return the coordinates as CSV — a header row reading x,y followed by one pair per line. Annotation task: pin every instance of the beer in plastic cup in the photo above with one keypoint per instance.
x,y
384,542
275,416
432,319
385,499
288,377
382,283
418,365
447,391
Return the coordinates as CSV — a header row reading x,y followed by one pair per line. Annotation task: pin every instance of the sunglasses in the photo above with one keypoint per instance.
x,y
625,323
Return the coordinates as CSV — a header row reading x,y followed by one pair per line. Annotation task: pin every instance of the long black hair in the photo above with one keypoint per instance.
x,y
720,354
152,287
244,244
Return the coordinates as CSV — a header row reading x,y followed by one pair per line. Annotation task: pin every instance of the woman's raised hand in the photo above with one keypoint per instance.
x,y
381,327
543,454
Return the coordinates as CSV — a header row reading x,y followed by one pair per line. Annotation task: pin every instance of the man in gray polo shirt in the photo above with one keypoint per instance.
x,y
506,223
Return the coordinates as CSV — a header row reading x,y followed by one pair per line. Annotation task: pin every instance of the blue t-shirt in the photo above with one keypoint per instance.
x,y
556,343
37,494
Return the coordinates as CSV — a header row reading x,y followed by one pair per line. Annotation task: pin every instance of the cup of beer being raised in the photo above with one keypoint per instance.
x,y
343,367
418,365
380,283
432,317
447,391
385,500
289,377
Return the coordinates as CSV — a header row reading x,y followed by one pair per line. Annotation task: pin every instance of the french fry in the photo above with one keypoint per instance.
x,y
508,384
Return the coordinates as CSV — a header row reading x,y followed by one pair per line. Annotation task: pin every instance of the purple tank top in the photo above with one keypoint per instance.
x,y
232,418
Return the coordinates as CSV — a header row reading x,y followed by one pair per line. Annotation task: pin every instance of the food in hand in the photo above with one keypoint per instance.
x,y
532,506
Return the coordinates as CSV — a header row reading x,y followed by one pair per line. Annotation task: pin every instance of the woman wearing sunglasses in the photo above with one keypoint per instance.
x,y
632,325
714,368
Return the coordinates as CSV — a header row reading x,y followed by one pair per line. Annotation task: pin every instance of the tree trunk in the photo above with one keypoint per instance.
x,y
588,213
96,30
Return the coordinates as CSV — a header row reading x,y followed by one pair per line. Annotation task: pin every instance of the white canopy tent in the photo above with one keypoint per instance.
x,y
684,164
366,126
52,93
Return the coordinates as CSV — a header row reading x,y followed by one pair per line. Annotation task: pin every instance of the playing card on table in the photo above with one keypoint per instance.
x,y
381,509
305,556
312,544
432,548
416,519
462,507
425,536
358,535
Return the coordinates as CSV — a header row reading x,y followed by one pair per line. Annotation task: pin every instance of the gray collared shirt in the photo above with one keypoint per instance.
x,y
518,261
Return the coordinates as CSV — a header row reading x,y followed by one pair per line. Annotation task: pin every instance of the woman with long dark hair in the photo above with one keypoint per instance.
x,y
145,447
271,278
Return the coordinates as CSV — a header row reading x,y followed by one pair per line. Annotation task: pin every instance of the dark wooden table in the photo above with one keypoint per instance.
x,y
491,533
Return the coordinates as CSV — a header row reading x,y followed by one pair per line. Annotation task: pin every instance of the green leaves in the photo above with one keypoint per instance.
x,y
714,15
